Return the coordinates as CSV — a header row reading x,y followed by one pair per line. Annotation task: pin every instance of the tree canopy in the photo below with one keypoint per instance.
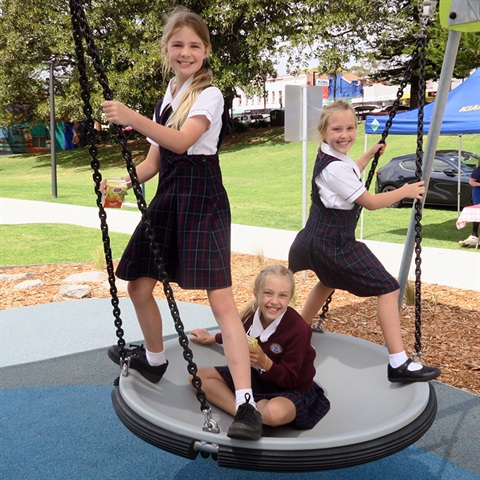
x,y
247,38
393,47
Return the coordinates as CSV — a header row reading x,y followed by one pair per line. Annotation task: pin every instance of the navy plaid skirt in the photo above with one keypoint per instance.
x,y
190,216
311,405
327,245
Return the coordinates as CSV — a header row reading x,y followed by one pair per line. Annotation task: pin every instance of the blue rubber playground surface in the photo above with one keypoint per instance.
x,y
58,422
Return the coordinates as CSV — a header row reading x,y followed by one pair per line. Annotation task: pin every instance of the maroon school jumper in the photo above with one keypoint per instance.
x,y
327,245
190,215
292,372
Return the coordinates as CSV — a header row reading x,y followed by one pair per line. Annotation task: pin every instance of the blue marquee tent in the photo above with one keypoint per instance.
x,y
461,116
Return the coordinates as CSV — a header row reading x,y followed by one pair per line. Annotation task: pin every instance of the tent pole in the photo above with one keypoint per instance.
x,y
459,174
444,86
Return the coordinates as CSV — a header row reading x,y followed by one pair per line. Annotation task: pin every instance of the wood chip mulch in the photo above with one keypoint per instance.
x,y
449,316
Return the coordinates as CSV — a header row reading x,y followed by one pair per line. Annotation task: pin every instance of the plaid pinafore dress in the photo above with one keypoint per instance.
x,y
327,245
190,215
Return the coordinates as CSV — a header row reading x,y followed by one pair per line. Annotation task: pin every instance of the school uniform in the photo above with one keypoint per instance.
x,y
287,342
327,244
190,213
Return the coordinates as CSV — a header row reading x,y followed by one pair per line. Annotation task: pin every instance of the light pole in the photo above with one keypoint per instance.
x,y
53,153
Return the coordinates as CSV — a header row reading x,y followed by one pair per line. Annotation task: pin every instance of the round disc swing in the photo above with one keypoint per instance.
x,y
369,419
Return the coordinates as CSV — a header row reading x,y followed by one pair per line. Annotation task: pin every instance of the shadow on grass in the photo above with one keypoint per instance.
x,y
80,159
445,231
253,138
111,155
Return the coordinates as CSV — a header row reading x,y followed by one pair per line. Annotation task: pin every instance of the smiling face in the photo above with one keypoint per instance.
x,y
273,297
186,52
341,131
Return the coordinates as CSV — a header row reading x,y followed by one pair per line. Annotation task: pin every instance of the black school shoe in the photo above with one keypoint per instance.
x,y
401,374
247,424
137,357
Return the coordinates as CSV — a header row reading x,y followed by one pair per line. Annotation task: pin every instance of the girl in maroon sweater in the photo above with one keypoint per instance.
x,y
281,357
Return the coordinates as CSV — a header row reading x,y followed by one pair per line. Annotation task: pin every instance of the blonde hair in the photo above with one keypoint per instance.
x,y
328,111
179,18
279,271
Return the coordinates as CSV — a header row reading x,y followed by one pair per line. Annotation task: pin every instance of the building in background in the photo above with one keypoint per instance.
x,y
349,87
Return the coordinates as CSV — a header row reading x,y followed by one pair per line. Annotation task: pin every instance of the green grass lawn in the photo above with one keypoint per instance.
x,y
41,244
262,174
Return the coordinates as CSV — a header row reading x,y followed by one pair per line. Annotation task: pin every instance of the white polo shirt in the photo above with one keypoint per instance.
x,y
209,104
339,183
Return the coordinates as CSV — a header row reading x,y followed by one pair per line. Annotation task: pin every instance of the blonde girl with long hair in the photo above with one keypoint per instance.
x,y
281,357
190,212
327,244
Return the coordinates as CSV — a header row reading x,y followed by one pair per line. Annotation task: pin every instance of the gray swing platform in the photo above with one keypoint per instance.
x,y
370,418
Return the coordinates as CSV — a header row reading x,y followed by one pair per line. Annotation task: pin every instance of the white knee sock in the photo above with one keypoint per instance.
x,y
156,359
240,397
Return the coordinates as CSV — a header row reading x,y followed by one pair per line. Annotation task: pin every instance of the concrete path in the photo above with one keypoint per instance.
x,y
452,268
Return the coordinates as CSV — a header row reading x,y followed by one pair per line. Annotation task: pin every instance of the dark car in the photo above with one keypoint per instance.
x,y
387,109
443,185
363,110
256,119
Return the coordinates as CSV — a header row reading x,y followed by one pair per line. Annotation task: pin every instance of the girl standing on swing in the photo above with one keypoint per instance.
x,y
190,212
327,244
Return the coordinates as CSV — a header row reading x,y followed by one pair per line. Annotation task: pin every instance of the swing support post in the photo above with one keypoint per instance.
x,y
444,85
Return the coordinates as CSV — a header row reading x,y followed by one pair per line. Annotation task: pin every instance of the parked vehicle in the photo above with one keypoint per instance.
x,y
443,184
255,119
386,110
363,110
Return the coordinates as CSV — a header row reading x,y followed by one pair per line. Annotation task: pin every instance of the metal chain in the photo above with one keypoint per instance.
x,y
418,205
318,327
91,138
388,124
82,30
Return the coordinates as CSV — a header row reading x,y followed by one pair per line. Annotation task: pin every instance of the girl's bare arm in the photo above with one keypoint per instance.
x,y
385,199
364,160
177,141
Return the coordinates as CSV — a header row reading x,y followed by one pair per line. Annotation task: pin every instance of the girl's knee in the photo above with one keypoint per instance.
x,y
222,302
140,291
273,418
275,415
206,374
393,294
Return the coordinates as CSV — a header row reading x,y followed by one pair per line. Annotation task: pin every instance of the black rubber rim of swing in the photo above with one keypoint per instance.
x,y
281,460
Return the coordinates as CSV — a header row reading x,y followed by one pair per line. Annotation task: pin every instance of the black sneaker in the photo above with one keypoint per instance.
x,y
247,424
402,374
138,361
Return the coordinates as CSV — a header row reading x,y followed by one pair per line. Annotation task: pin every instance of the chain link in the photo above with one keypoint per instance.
x,y
81,30
318,327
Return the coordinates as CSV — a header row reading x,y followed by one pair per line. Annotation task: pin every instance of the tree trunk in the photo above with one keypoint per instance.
x,y
414,99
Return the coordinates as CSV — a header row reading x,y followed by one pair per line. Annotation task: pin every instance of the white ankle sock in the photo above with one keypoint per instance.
x,y
156,359
397,359
240,397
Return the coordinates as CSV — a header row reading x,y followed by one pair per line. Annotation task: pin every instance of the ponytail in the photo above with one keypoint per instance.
x,y
201,80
